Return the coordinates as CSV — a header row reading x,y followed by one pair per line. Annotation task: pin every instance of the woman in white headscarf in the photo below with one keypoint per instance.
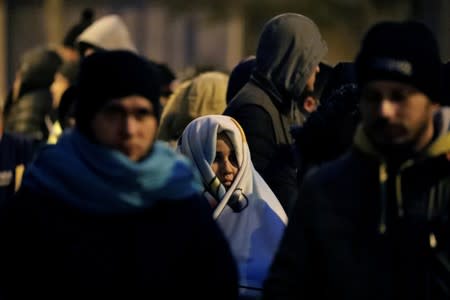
x,y
248,212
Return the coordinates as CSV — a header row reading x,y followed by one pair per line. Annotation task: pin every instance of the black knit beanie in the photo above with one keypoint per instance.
x,y
401,51
109,75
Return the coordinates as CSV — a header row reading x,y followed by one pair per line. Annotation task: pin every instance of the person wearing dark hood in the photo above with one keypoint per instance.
x,y
287,58
108,212
107,33
69,48
375,223
239,76
29,104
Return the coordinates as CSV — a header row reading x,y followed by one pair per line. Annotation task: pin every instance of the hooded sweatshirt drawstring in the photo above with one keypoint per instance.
x,y
398,187
383,175
432,237
363,143
383,194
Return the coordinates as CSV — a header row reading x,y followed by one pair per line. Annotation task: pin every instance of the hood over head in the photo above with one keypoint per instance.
x,y
37,68
204,95
108,33
290,47
249,214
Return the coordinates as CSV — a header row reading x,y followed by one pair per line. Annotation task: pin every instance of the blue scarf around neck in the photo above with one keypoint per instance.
x,y
101,180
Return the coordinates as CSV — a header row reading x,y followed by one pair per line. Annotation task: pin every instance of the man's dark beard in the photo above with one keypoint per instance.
x,y
398,152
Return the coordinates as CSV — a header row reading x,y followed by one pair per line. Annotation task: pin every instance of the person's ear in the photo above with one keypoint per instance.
x,y
310,104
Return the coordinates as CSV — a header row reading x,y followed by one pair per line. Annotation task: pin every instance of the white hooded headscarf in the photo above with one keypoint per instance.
x,y
256,224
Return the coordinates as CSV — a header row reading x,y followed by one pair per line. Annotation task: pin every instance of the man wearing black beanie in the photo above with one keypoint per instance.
x,y
104,81
375,223
108,212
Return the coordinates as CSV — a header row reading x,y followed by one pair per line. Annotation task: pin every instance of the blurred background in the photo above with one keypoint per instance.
x,y
214,33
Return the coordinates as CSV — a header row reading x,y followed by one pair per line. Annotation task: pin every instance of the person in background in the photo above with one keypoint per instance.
x,y
107,33
204,95
65,77
69,49
239,76
66,108
311,101
108,212
28,106
375,223
322,79
245,208
168,81
333,123
343,73
289,51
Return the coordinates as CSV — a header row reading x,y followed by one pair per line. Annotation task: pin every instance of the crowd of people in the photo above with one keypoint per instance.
x,y
287,178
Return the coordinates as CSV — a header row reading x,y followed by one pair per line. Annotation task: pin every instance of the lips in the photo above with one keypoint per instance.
x,y
227,181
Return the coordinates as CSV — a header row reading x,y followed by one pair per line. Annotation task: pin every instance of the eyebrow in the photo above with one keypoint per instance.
x,y
118,106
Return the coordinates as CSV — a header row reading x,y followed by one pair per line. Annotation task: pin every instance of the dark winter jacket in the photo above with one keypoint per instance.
x,y
362,230
289,49
328,132
89,223
15,153
30,115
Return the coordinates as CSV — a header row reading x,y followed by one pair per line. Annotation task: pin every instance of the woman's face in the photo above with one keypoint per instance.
x,y
225,164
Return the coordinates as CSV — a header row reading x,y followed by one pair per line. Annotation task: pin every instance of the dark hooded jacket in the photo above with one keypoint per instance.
x,y
15,153
29,114
89,223
365,230
290,48
328,132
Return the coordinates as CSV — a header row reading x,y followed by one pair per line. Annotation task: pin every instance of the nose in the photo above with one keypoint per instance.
x,y
130,125
227,167
388,108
